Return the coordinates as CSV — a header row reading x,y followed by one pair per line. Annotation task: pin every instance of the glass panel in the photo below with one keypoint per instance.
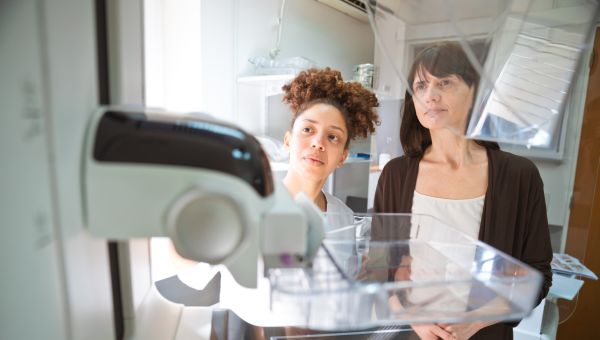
x,y
533,60
525,52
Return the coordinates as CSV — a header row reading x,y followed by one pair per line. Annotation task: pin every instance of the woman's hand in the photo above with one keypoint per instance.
x,y
432,332
460,331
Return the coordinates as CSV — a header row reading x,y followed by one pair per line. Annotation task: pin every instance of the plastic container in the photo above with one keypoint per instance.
x,y
398,269
364,74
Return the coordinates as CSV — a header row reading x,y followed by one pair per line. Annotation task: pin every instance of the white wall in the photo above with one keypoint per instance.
x,y
218,58
197,51
310,29
234,31
172,51
189,55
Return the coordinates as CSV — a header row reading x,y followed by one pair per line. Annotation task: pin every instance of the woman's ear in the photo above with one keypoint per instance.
x,y
286,140
343,158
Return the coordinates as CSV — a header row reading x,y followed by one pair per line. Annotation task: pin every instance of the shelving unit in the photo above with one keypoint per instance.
x,y
253,105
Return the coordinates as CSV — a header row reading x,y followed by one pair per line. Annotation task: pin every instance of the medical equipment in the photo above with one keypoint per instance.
x,y
527,54
205,184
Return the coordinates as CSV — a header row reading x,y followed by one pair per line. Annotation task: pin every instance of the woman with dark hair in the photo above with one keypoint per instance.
x,y
472,185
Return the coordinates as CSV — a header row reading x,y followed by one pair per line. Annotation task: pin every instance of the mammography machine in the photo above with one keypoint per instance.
x,y
207,185
141,179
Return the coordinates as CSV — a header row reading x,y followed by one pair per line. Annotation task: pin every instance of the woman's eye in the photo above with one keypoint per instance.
x,y
420,87
444,83
334,138
306,129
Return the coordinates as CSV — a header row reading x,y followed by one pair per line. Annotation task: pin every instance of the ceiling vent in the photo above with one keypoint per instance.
x,y
354,8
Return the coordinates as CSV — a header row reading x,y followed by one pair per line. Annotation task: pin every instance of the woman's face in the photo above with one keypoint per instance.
x,y
442,103
317,142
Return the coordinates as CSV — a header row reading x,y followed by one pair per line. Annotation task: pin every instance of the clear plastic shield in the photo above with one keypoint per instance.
x,y
526,53
399,269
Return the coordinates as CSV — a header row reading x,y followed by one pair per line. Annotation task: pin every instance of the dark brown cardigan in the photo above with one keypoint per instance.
x,y
514,216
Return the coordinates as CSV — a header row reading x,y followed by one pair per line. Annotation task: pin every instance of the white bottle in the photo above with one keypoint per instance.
x,y
383,159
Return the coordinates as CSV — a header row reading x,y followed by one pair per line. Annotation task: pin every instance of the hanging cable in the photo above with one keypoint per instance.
x,y
275,51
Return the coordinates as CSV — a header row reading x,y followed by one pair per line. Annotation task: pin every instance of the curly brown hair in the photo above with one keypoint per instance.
x,y
326,86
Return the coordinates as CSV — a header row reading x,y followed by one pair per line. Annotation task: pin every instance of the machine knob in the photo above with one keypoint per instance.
x,y
205,227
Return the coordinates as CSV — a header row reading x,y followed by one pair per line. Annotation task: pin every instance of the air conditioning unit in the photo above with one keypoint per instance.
x,y
354,8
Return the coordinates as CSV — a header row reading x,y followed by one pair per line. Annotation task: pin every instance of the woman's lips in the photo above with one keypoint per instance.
x,y
313,160
434,111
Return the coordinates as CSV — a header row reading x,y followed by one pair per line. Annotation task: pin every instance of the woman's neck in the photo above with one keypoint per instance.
x,y
296,184
453,149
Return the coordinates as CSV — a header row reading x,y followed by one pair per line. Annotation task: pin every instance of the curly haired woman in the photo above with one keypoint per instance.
x,y
326,114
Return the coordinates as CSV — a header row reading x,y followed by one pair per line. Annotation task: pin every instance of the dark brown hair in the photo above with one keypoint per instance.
x,y
440,60
326,86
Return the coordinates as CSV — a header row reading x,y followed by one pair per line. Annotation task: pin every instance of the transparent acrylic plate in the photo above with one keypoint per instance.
x,y
527,54
398,269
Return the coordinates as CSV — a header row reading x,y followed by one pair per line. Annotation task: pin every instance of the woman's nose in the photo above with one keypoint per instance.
x,y
317,143
432,94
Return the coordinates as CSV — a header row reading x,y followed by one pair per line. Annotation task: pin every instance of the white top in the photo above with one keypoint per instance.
x,y
339,224
461,214
338,214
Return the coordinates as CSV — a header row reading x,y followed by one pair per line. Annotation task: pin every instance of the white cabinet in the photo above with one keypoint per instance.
x,y
259,107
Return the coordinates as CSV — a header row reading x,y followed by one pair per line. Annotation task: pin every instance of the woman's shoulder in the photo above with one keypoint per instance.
x,y
512,163
400,163
399,169
336,205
